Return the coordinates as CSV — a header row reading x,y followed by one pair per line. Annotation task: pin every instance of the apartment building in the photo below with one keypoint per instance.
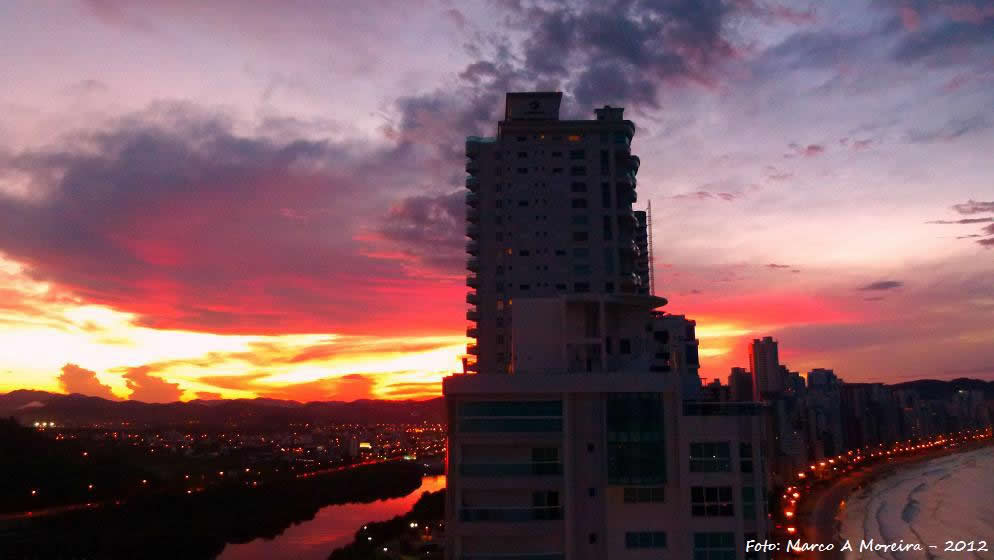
x,y
577,432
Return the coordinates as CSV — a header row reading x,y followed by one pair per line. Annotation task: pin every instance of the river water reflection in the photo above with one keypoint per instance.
x,y
331,528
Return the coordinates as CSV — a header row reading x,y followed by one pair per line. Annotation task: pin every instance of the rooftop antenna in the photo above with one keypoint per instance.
x,y
652,268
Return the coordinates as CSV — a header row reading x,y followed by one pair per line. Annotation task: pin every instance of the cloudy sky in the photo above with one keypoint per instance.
x,y
251,198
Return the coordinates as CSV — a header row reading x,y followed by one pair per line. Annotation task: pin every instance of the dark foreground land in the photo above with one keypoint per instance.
x,y
416,534
201,524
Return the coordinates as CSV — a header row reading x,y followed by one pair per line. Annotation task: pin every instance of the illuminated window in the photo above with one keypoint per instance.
x,y
574,138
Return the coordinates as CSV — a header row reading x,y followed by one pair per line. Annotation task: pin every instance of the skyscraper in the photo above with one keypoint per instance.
x,y
574,440
764,360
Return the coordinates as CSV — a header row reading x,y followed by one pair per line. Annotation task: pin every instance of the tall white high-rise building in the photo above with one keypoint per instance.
x,y
575,438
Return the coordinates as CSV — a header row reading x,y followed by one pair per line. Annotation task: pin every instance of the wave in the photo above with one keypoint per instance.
x,y
947,498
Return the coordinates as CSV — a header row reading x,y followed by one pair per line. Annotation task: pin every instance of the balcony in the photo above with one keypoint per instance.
x,y
473,231
472,281
472,199
472,183
472,350
511,514
472,298
472,315
472,332
512,469
473,215
473,264
472,167
473,247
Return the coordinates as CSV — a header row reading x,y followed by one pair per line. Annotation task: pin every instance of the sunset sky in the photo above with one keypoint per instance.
x,y
250,198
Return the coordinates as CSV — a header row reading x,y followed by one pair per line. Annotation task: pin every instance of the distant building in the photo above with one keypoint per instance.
x,y
764,361
740,384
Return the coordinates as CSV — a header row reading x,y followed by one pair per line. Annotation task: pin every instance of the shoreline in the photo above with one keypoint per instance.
x,y
819,520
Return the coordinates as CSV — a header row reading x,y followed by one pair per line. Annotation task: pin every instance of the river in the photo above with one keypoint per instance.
x,y
331,528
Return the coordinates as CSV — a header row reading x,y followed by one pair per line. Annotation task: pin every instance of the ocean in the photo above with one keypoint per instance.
x,y
945,506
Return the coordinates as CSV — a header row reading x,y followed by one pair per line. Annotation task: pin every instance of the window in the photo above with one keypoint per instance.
x,y
609,261
579,220
710,457
692,357
605,164
561,287
606,195
711,501
578,170
592,539
609,287
714,546
578,187
592,492
581,269
580,236
522,203
748,502
557,154
577,154
635,446
523,253
581,287
644,495
560,253
578,203
661,337
522,155
607,228
524,287
603,136
511,416
557,170
574,138
581,252
625,346
499,203
522,171
521,138
745,457
645,539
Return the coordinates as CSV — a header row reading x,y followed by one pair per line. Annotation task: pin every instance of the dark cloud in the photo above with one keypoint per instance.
x,y
947,38
963,221
160,214
974,207
987,242
432,227
75,379
809,150
707,195
882,285
148,388
949,131
776,266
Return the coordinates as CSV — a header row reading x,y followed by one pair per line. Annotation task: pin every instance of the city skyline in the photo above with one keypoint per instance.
x,y
189,210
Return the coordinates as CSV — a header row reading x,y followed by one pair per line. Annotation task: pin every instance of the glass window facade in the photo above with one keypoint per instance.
x,y
711,501
635,444
511,416
645,539
714,546
710,457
